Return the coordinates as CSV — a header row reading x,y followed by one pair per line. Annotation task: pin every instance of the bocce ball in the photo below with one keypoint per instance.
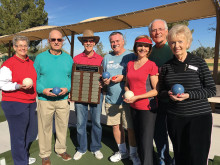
x,y
105,75
177,89
27,82
128,94
56,90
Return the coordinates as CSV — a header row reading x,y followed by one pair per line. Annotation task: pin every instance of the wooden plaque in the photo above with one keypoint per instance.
x,y
85,83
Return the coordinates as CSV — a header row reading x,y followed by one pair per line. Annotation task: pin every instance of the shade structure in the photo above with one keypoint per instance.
x,y
178,11
37,33
174,12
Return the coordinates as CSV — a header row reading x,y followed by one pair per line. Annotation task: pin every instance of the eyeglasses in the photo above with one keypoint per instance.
x,y
56,39
157,30
88,40
21,46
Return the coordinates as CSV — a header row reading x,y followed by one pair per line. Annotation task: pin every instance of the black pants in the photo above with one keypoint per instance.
x,y
144,121
191,137
161,133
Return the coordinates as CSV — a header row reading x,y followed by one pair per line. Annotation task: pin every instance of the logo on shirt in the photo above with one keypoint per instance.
x,y
116,66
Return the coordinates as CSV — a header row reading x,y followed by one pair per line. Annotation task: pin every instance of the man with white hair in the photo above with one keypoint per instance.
x,y
161,53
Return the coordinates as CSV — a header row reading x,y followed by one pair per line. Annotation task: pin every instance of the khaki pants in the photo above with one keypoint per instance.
x,y
46,110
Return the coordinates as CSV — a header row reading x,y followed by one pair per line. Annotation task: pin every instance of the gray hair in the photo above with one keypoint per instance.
x,y
114,33
150,26
20,38
180,29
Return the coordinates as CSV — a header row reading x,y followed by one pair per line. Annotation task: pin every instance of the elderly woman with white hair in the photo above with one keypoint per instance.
x,y
189,117
19,100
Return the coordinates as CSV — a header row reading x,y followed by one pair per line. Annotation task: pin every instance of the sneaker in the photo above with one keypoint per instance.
x,y
118,156
65,156
78,155
31,160
161,161
98,154
135,159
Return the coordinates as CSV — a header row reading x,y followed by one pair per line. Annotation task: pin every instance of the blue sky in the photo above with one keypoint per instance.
x,y
65,12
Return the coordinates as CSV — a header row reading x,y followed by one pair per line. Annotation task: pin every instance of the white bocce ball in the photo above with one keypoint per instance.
x,y
27,82
128,94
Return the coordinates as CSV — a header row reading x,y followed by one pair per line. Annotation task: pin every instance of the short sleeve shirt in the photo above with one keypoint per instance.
x,y
83,59
139,80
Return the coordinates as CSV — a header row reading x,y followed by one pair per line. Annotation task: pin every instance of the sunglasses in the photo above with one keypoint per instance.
x,y
54,39
145,45
89,40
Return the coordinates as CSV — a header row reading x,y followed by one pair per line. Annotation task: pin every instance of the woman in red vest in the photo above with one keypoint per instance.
x,y
19,100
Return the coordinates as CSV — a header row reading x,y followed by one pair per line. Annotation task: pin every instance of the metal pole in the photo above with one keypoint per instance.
x,y
72,44
9,49
217,43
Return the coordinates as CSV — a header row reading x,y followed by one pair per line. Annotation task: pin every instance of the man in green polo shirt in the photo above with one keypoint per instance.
x,y
161,53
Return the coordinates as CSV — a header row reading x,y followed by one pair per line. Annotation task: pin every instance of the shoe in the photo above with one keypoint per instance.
x,y
161,162
135,159
78,155
118,156
98,154
65,156
46,161
31,160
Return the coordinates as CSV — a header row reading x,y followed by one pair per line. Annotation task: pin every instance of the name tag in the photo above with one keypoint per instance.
x,y
111,62
193,67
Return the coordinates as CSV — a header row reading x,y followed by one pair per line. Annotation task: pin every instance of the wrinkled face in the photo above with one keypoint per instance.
x,y
158,32
179,44
88,44
21,48
117,43
142,49
55,40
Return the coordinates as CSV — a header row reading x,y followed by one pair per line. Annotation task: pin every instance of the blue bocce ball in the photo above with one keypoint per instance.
x,y
105,75
56,90
177,89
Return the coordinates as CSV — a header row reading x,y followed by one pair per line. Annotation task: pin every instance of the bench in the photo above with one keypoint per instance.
x,y
215,99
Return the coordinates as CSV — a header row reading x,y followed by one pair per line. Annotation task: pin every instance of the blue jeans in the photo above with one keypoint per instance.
x,y
22,122
82,118
161,135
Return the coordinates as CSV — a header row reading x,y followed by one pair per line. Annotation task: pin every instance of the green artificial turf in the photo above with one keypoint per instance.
x,y
2,115
108,148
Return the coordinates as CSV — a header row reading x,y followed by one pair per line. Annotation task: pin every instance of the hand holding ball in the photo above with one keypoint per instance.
x,y
128,94
27,82
105,75
56,90
177,89
114,77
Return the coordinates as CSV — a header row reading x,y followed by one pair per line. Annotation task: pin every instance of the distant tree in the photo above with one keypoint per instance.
x,y
212,29
99,49
42,48
204,52
170,25
18,15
